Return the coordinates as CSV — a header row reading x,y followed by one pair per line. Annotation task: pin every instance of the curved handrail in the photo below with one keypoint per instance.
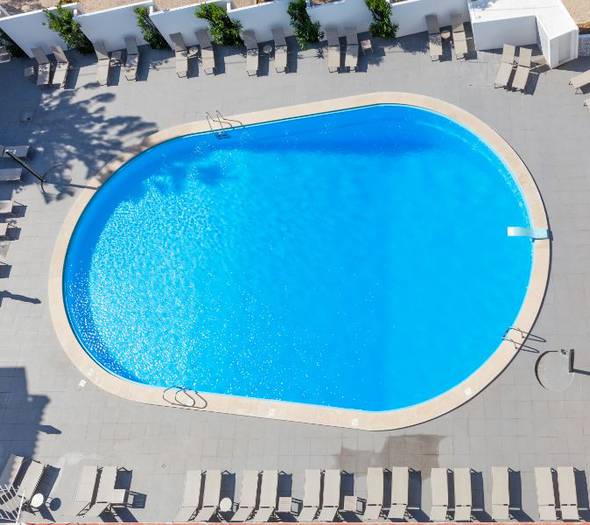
x,y
220,117
185,397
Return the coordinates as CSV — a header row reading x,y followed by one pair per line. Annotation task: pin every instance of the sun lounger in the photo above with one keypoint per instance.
x,y
107,494
211,494
568,495
440,494
10,174
434,39
268,496
180,54
311,495
375,487
18,151
86,492
191,496
545,493
459,37
331,495
581,80
248,496
333,49
523,70
366,45
463,495
43,66
30,481
3,233
352,48
506,66
500,494
62,67
6,206
4,246
103,63
132,59
400,488
207,53
251,52
13,464
280,50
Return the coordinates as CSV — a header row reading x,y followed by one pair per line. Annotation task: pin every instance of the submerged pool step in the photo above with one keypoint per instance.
x,y
533,233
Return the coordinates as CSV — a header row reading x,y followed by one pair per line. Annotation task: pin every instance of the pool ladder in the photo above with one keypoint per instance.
x,y
184,397
220,124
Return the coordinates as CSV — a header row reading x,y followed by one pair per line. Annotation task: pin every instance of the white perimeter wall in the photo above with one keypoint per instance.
x,y
342,13
112,25
180,20
30,30
261,18
410,15
493,34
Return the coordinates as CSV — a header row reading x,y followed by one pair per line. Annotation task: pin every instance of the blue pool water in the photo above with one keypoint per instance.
x,y
355,259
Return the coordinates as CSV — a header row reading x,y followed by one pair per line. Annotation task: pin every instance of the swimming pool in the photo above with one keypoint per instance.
x,y
355,259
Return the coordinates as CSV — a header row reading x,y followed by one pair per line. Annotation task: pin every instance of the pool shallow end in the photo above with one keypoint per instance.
x,y
307,413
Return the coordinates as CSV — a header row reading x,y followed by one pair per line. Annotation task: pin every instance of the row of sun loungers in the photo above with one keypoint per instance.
x,y
45,70
351,51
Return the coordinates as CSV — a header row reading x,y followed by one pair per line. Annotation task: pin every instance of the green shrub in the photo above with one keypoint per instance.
x,y
306,31
62,22
224,30
150,34
10,45
382,25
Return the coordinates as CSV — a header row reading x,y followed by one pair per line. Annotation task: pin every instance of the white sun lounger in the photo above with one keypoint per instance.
x,y
4,246
10,174
311,495
580,81
43,66
249,494
375,487
86,492
568,495
191,496
463,495
440,494
62,67
18,151
533,233
434,39
104,63
459,37
523,70
333,49
280,50
506,66
500,494
400,488
180,54
14,463
331,495
251,52
545,494
211,495
268,496
207,53
30,481
3,233
132,59
6,206
352,48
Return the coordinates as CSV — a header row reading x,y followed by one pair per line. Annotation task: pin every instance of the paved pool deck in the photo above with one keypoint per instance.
x,y
45,409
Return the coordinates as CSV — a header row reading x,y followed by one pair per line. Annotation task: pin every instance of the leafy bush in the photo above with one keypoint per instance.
x,y
62,22
224,30
306,31
9,44
382,25
150,34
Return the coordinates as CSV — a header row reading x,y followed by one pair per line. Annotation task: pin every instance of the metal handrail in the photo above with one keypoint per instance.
x,y
191,397
220,117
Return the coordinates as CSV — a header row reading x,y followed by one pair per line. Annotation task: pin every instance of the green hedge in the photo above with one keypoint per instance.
x,y
382,25
224,30
62,22
9,44
150,34
306,31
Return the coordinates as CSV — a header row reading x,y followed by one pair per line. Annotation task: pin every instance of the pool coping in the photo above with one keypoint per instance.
x,y
298,412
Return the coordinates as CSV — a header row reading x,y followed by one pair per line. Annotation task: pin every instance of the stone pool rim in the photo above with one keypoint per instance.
x,y
299,412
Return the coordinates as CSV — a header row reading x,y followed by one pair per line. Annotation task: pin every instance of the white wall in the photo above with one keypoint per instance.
x,y
261,18
30,30
493,34
112,25
410,15
341,14
181,20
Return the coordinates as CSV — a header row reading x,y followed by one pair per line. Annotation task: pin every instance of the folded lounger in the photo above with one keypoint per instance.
x,y
280,50
207,53
545,494
500,494
180,54
104,63
43,66
459,37
440,494
132,59
251,52
463,497
352,48
248,496
523,70
268,496
211,494
311,495
61,68
506,66
191,496
581,80
568,495
434,39
400,488
375,487
333,49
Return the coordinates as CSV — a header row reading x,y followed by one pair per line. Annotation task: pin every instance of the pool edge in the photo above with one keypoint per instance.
x,y
346,418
